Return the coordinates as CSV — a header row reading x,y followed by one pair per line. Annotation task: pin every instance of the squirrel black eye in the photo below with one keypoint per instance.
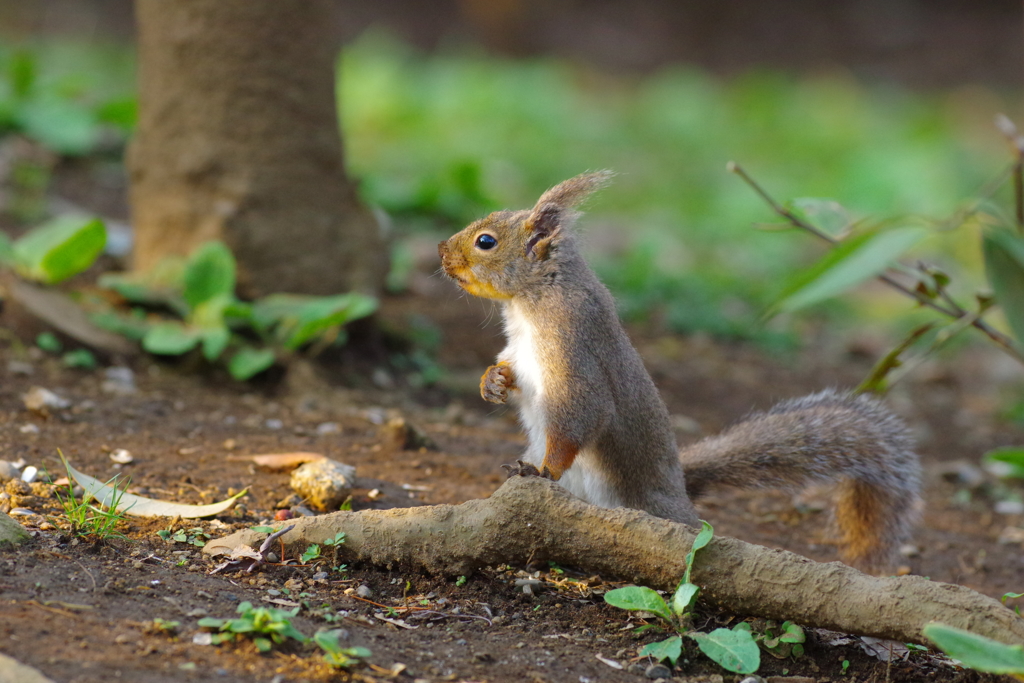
x,y
486,242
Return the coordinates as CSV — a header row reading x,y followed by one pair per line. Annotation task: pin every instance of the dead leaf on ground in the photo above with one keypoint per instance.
x,y
279,462
139,506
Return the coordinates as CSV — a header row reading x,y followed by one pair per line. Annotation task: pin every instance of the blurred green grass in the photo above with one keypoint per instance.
x,y
440,140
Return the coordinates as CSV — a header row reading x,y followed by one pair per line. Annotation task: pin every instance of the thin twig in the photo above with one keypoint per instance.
x,y
951,310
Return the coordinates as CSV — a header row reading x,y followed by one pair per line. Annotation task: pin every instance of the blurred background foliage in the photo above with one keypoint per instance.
x,y
439,139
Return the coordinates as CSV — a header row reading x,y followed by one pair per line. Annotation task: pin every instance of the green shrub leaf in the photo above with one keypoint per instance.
x,y
249,362
848,264
734,650
683,598
209,272
63,247
827,215
170,339
638,599
704,537
1004,265
977,652
1012,456
670,649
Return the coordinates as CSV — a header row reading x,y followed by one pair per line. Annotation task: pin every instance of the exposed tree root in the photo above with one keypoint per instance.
x,y
533,519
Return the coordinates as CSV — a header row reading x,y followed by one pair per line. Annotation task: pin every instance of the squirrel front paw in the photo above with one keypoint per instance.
x,y
525,469
496,383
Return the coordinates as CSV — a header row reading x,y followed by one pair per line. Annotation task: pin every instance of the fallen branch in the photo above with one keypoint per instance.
x,y
533,519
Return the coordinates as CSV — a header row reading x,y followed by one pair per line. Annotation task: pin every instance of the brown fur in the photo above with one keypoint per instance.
x,y
595,418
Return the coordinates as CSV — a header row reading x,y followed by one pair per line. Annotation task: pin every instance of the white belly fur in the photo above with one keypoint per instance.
x,y
584,479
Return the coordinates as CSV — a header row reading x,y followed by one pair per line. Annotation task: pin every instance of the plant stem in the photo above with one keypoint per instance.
x,y
951,310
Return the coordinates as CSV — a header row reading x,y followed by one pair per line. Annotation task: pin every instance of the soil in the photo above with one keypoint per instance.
x,y
80,609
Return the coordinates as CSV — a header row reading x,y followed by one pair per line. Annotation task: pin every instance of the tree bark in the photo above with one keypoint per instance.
x,y
238,140
533,519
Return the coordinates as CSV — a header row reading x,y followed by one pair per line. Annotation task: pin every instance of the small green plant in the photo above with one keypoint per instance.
x,y
163,626
197,296
312,553
87,520
461,581
781,640
334,654
846,666
734,649
871,248
1012,596
266,626
54,251
977,652
195,536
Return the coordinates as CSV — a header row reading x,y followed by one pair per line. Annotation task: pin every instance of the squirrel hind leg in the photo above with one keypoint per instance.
x,y
873,523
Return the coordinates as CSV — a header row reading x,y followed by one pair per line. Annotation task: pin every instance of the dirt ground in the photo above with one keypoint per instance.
x,y
80,611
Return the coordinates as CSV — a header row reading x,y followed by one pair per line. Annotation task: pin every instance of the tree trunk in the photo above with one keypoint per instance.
x,y
238,140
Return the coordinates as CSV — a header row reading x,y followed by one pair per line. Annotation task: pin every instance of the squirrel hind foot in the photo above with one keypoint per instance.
x,y
522,469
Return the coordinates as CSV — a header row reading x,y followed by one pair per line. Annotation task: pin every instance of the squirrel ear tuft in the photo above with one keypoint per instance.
x,y
571,192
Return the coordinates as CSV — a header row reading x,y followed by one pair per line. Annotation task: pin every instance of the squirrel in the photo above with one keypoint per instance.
x,y
596,423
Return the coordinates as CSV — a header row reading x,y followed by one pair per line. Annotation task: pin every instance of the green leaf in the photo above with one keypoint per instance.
x,y
209,272
1012,456
300,319
170,339
47,341
79,358
312,552
704,537
974,651
792,633
215,340
1004,265
60,248
249,362
1011,596
851,262
263,644
827,215
125,325
670,649
638,599
734,650
683,598
61,125
21,72
212,622
6,249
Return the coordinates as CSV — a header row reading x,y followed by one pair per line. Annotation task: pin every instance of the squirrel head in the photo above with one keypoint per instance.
x,y
498,256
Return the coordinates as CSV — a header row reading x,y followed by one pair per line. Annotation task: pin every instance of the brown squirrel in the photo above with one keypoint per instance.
x,y
596,423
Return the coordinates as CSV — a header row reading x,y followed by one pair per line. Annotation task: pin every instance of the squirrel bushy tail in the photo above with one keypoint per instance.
x,y
825,437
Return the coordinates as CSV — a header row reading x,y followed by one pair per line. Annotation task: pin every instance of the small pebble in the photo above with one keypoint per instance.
x,y
118,380
121,456
29,474
274,423
657,671
1009,507
325,428
364,592
18,367
8,471
28,429
40,400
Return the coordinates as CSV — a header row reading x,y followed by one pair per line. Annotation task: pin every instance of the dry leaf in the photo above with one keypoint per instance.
x,y
138,506
279,461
